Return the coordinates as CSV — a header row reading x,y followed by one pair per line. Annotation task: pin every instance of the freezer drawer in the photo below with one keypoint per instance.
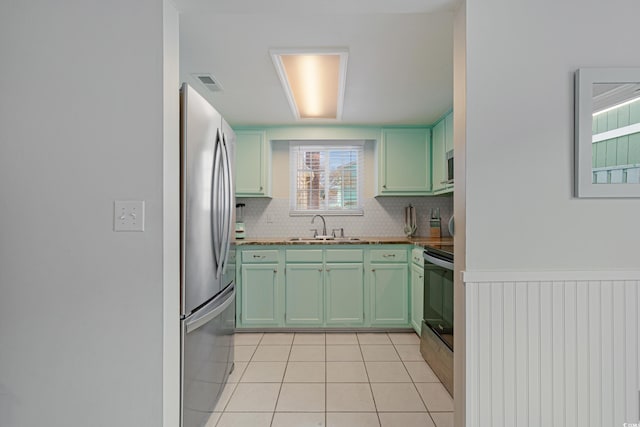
x,y
207,357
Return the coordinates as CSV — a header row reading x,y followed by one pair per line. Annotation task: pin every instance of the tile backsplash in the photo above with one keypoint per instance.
x,y
383,217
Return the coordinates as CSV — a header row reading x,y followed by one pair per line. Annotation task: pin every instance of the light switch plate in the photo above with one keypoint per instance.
x,y
128,215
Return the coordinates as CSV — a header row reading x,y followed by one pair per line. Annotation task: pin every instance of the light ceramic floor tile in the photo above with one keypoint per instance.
x,y
301,397
379,353
238,370
409,352
309,339
373,338
264,372
387,372
400,397
271,353
404,338
277,338
213,419
341,338
343,353
305,372
243,353
405,419
346,372
245,419
254,397
347,397
352,419
227,391
298,419
420,372
246,338
307,353
443,419
435,396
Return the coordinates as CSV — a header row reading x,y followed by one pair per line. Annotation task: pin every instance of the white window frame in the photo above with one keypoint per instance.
x,y
357,145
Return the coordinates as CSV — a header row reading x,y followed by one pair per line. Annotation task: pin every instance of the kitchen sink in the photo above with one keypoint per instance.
x,y
325,239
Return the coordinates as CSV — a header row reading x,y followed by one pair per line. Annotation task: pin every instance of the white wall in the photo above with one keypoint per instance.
x,y
548,312
520,62
81,125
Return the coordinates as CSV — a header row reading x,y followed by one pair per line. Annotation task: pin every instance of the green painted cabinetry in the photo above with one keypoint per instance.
x,y
389,287
323,286
344,294
321,289
259,282
260,295
404,162
253,164
441,143
304,286
417,289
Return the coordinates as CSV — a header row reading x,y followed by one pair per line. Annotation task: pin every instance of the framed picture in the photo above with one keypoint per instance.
x,y
607,132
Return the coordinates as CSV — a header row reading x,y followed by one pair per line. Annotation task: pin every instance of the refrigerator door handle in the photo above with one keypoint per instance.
x,y
227,194
204,318
215,204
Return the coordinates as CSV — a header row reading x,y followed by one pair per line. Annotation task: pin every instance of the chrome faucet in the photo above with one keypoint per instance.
x,y
324,224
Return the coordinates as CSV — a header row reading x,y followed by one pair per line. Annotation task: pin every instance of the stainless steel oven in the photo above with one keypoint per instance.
x,y
436,341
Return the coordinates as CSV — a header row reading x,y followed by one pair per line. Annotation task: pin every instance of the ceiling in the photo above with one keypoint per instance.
x,y
400,67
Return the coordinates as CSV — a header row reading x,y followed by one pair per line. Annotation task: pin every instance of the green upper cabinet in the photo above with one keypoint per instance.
x,y
404,162
253,163
442,143
439,159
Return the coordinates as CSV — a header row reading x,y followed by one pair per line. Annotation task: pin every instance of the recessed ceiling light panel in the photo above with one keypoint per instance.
x,y
313,80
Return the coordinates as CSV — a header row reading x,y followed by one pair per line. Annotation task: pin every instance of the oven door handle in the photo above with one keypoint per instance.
x,y
437,261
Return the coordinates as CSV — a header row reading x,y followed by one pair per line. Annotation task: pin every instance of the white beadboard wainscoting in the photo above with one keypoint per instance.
x,y
554,349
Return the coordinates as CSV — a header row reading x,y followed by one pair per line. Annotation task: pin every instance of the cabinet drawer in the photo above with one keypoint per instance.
x,y
344,255
260,256
388,255
416,256
301,255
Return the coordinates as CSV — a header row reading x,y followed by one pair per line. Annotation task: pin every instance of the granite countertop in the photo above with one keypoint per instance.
x,y
418,241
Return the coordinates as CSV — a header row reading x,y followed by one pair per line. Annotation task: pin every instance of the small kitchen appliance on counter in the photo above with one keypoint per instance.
x,y
435,229
240,229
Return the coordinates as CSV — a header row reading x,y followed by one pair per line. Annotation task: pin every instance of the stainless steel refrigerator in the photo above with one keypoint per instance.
x,y
207,296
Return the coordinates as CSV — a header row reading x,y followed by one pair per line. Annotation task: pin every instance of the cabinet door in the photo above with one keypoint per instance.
x,y
448,131
260,296
303,294
389,294
252,164
439,160
404,166
344,294
417,297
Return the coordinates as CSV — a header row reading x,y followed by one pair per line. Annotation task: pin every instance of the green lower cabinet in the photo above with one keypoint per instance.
x,y
260,298
389,285
344,294
417,297
304,294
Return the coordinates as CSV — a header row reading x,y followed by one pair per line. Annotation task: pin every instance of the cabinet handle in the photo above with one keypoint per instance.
x,y
261,188
373,269
388,255
328,269
384,186
320,270
258,256
420,277
275,270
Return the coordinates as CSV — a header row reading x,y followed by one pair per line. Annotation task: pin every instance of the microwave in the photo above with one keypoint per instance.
x,y
449,155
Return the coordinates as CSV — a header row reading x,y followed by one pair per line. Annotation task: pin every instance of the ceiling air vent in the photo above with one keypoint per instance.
x,y
209,82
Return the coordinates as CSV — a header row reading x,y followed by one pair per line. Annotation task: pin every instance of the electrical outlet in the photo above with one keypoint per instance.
x,y
128,215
